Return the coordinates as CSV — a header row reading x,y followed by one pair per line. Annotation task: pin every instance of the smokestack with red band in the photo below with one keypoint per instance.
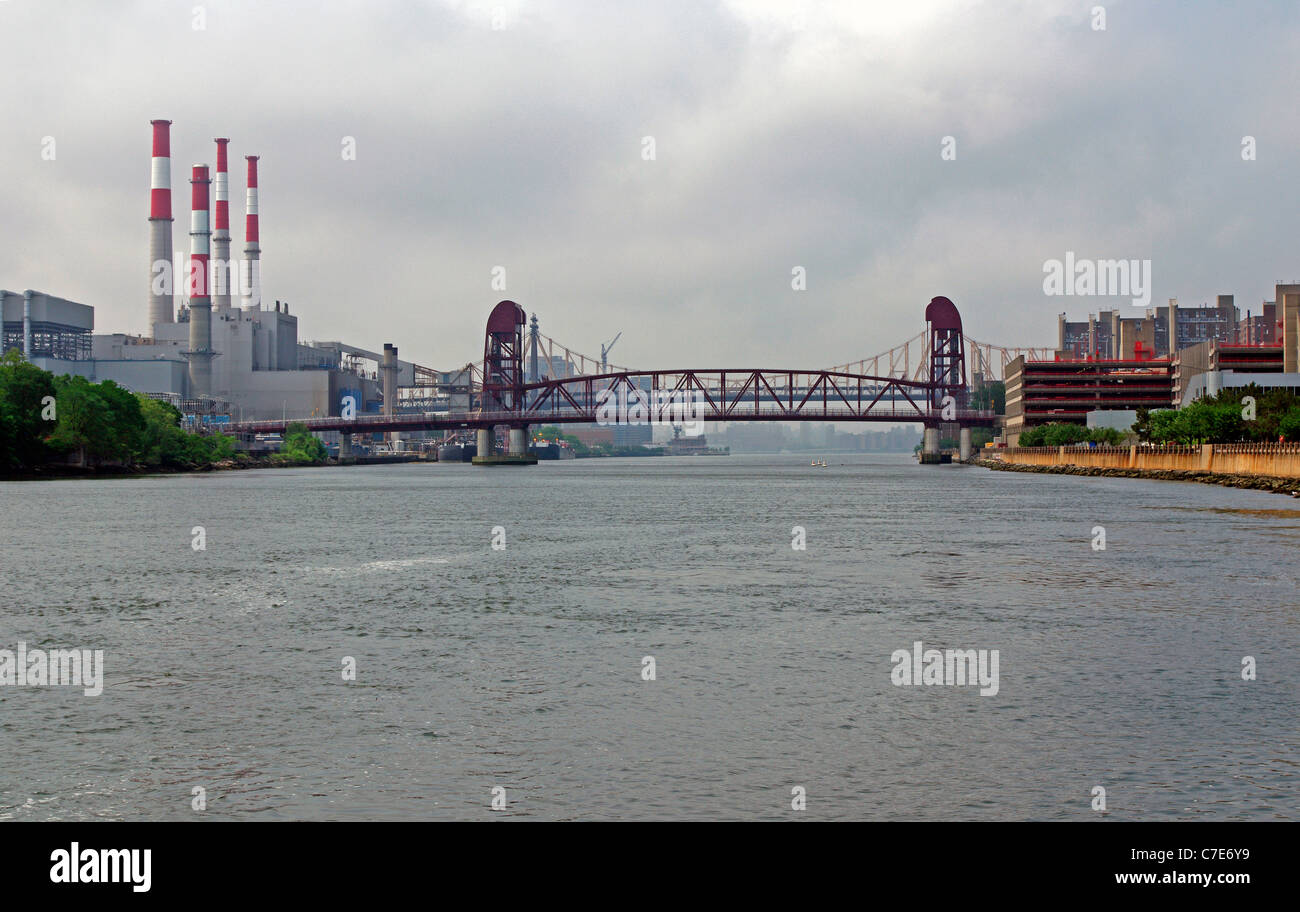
x,y
252,280
200,237
221,272
160,227
200,353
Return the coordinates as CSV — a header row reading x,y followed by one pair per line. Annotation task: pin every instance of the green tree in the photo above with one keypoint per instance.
x,y
25,420
162,441
1063,433
1060,433
1165,426
125,422
992,395
551,432
82,427
99,422
301,447
1289,424
1032,437
1142,427
204,449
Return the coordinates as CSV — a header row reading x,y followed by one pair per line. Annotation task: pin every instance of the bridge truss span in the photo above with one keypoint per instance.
x,y
737,394
502,393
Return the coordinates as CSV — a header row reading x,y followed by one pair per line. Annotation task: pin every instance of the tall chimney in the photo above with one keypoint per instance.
x,y
160,227
200,353
27,323
252,250
221,233
388,367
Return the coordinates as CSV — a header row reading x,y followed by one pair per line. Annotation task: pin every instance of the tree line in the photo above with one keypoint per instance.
x,y
1243,415
46,419
1062,433
1246,414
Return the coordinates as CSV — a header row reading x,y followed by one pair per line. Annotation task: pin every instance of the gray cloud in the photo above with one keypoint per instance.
x,y
776,147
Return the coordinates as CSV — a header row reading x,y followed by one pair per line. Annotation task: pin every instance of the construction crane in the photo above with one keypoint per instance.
x,y
604,352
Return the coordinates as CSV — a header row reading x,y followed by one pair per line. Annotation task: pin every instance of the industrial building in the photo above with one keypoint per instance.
x,y
222,351
43,326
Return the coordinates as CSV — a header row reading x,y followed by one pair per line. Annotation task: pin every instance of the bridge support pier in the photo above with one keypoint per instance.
x,y
345,449
930,454
931,447
964,446
516,451
519,441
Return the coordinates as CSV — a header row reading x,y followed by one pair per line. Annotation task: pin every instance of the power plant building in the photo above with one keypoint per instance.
x,y
43,326
245,361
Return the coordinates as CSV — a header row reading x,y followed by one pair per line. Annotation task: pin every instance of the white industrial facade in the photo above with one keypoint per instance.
x,y
259,366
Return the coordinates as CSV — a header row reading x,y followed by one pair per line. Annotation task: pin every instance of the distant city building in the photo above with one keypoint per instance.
x,y
590,435
629,435
555,368
775,437
1111,336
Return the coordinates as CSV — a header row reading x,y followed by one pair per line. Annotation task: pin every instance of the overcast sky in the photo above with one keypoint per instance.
x,y
785,135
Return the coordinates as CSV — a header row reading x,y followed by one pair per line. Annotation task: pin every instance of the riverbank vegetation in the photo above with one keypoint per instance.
x,y
300,447
1229,417
70,421
1059,433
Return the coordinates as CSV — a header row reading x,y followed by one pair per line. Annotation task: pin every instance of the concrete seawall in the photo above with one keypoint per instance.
x,y
1280,460
1266,466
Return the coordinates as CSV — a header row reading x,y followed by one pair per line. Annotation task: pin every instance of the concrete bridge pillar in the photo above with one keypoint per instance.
x,y
518,441
965,444
345,448
484,437
931,441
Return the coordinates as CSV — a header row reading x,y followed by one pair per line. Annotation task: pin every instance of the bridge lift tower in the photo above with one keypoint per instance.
x,y
947,372
503,384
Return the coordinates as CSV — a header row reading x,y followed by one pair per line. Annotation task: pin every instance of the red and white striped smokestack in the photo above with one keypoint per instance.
x,y
160,227
200,237
252,250
221,271
200,353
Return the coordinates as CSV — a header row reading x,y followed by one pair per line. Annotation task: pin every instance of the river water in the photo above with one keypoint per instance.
x,y
521,668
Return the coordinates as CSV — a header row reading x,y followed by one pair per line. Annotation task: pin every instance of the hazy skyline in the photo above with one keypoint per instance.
x,y
785,135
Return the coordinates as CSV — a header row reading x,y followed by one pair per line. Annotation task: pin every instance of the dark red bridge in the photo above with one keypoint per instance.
x,y
717,394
